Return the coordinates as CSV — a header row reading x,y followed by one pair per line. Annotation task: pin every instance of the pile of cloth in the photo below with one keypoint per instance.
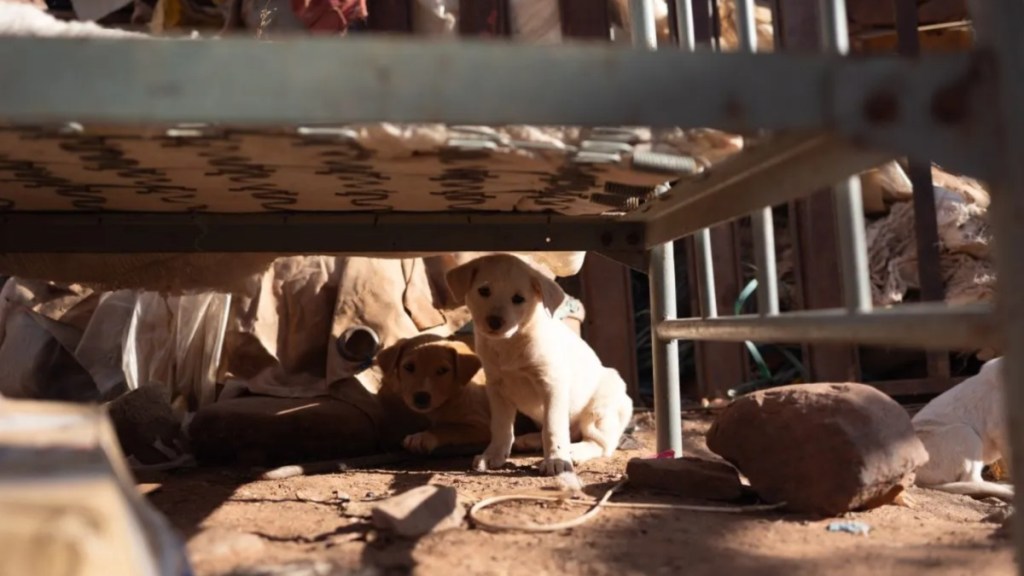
x,y
304,332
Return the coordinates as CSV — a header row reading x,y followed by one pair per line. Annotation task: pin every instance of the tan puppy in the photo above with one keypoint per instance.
x,y
434,376
538,366
964,429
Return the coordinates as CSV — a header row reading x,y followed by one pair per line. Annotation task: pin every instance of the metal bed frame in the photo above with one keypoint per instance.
x,y
834,117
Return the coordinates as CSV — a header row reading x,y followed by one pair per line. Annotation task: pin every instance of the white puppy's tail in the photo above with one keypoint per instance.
x,y
975,489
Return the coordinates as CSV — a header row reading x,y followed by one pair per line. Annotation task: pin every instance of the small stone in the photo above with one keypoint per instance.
x,y
823,449
687,476
999,516
342,496
216,543
308,496
419,511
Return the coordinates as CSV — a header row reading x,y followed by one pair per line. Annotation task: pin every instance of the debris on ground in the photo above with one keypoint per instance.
x,y
688,476
849,526
215,543
823,448
419,511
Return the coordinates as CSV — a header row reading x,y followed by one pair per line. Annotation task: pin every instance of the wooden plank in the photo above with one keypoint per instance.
x,y
926,227
609,327
483,18
819,283
585,19
916,386
813,220
389,16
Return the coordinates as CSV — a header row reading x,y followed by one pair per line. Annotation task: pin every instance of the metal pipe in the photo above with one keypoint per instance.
x,y
931,326
684,25
772,173
929,269
706,274
853,246
997,26
662,278
850,227
762,221
642,24
702,239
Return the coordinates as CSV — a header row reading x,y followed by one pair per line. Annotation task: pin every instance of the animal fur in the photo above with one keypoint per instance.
x,y
438,378
964,429
538,366
17,19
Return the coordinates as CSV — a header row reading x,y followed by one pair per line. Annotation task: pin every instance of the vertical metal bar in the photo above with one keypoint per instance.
x,y
706,274
926,228
997,26
812,220
641,16
853,254
684,25
762,221
686,38
662,277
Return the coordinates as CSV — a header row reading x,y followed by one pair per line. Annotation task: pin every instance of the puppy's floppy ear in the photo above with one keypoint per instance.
x,y
459,279
467,364
388,358
551,294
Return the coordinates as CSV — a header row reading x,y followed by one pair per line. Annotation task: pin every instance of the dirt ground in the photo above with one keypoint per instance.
x,y
300,527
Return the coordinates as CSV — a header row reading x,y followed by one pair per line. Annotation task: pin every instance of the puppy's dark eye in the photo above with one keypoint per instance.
x,y
442,370
484,291
518,299
409,367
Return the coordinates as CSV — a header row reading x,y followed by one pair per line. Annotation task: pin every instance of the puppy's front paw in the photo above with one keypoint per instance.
x,y
420,443
489,460
556,465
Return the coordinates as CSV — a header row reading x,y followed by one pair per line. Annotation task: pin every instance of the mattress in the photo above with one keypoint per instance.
x,y
376,167
365,168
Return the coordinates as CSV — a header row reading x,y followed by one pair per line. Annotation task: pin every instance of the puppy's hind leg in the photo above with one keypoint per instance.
x,y
602,429
532,442
976,486
978,489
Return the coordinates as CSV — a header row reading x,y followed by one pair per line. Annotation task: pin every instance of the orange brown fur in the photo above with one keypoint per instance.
x,y
440,379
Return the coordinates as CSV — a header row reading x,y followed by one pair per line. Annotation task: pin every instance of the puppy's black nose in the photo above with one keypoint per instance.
x,y
421,399
495,322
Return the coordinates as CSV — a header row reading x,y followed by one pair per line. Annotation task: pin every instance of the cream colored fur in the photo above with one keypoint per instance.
x,y
964,429
538,366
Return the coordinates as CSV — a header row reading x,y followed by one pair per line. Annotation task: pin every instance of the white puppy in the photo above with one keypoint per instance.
x,y
964,429
538,366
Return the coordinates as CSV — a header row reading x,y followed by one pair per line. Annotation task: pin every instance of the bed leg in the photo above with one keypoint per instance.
x,y
665,353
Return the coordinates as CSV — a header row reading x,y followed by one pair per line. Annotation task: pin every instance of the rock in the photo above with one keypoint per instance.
x,y
687,476
304,568
823,448
999,516
419,511
216,543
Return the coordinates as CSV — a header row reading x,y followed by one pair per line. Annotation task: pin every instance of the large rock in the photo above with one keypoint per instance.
x,y
822,448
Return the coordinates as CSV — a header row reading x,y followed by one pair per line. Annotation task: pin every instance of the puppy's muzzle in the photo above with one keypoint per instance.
x,y
421,400
495,323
